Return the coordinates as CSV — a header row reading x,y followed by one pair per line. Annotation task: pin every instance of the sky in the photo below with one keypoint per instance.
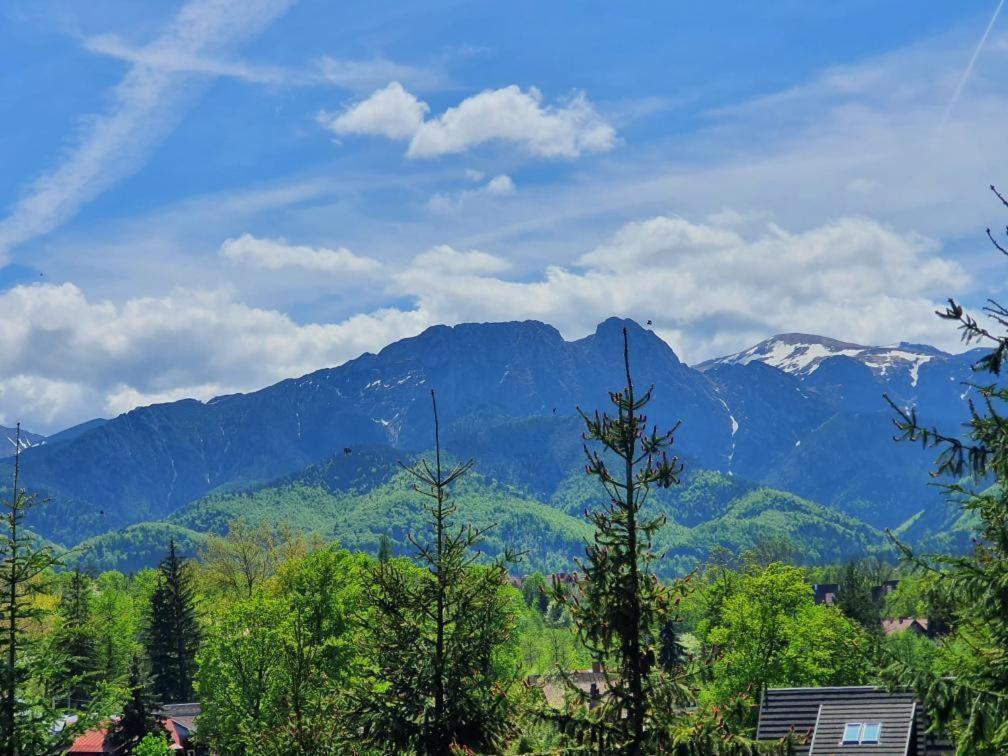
x,y
210,196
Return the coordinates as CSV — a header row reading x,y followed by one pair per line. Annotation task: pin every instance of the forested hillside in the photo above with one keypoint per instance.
x,y
797,414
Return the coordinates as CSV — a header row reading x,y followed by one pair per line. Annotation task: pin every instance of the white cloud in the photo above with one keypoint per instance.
x,y
446,260
390,112
500,186
712,290
68,358
709,290
567,129
358,75
146,106
276,254
448,202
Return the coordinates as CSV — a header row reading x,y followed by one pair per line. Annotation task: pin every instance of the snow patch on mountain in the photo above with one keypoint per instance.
x,y
801,354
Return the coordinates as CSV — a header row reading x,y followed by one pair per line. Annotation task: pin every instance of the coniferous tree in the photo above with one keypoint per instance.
x,y
855,597
76,640
970,699
384,548
172,634
671,652
141,712
25,719
618,604
437,633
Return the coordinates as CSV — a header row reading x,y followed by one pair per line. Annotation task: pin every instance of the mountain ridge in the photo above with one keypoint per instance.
x,y
508,394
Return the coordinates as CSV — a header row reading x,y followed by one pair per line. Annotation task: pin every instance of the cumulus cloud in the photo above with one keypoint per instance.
x,y
443,259
708,289
68,358
276,254
711,290
390,112
567,129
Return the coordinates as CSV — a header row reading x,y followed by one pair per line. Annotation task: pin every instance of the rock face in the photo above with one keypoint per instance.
x,y
803,413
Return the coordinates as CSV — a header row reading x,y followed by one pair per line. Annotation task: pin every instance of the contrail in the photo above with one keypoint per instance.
x,y
969,68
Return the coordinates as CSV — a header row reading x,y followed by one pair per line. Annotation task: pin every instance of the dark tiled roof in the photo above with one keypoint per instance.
x,y
896,715
796,710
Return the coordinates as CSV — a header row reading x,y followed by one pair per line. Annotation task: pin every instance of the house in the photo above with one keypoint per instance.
x,y
879,592
592,682
179,722
825,593
917,625
863,720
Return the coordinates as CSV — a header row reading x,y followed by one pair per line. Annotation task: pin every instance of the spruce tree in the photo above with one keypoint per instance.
x,y
971,699
141,712
172,634
76,641
620,608
384,548
437,683
25,719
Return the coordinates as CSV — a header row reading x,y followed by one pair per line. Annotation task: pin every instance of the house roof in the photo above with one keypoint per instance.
x,y
890,626
91,742
803,710
896,717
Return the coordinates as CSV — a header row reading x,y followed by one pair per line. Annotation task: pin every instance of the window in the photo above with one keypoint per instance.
x,y
851,733
870,732
861,733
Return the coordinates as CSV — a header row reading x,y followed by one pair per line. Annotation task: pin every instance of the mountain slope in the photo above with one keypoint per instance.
x,y
153,460
508,395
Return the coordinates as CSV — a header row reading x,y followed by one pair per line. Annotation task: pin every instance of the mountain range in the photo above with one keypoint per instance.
x,y
796,426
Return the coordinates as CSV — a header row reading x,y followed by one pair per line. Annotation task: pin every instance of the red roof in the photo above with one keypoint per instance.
x,y
94,742
918,624
178,733
91,742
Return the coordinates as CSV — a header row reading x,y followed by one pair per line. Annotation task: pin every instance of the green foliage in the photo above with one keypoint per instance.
x,y
171,634
135,547
441,635
273,667
75,637
617,605
154,744
26,712
763,630
855,597
140,710
116,617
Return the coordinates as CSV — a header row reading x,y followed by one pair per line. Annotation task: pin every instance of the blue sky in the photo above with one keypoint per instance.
x,y
207,197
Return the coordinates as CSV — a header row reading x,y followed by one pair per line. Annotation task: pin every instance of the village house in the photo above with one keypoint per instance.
x,y
179,721
862,720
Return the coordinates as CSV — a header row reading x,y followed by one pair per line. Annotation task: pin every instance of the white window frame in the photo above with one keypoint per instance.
x,y
861,738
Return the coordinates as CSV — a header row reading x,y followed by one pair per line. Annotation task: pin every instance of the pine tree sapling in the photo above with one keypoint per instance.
x,y
618,605
438,629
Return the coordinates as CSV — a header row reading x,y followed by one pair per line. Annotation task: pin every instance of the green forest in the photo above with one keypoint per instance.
x,y
441,612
